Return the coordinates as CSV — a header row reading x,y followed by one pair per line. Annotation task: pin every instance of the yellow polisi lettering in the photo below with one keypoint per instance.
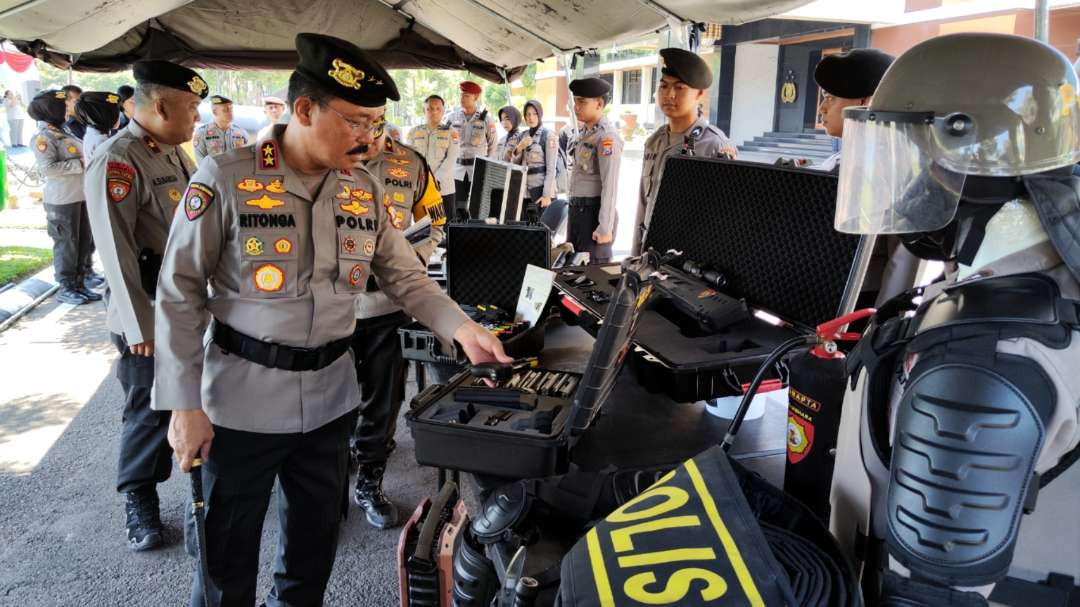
x,y
667,556
674,498
676,588
622,539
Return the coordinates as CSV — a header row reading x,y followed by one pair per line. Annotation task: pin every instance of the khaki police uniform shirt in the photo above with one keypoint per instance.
x,y
597,154
410,194
59,156
539,159
211,140
441,146
133,185
707,142
477,135
253,248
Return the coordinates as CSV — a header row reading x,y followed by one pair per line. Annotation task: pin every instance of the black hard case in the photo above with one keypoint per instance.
x,y
504,452
485,264
769,230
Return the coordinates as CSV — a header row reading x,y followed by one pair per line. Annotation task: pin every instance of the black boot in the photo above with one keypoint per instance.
x,y
144,530
381,512
72,296
87,293
92,280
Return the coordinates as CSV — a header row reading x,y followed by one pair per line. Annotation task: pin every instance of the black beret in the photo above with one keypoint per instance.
x,y
219,100
98,109
48,106
590,87
852,74
686,66
167,73
345,70
126,91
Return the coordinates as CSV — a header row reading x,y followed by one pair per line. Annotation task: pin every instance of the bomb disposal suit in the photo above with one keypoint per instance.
x,y
959,415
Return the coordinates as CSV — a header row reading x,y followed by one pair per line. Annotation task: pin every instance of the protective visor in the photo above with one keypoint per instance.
x,y
901,172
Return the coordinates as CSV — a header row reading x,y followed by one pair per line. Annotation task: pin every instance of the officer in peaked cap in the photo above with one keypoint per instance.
x,y
288,231
220,134
684,83
848,79
594,180
133,184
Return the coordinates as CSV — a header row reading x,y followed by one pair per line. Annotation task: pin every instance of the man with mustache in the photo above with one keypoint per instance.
x,y
287,232
684,82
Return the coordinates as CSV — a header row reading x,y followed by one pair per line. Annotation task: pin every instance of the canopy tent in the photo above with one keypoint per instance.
x,y
490,38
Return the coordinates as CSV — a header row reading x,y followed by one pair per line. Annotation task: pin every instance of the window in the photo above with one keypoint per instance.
x,y
631,87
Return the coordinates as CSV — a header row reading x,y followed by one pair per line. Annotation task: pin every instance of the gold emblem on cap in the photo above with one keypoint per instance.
x,y
60,95
346,75
197,85
111,98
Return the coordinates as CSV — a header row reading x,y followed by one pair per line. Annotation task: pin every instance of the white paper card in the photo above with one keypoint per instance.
x,y
535,289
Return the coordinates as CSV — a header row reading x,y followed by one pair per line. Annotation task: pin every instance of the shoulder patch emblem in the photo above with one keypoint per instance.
x,y
73,150
344,194
355,208
369,247
268,155
269,278
264,202
283,246
399,161
607,147
198,199
346,75
118,179
41,143
275,186
249,185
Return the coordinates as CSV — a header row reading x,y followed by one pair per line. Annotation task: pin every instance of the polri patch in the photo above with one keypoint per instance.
x,y
118,179
197,200
607,147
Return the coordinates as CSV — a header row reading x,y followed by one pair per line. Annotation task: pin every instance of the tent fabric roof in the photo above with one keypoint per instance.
x,y
479,35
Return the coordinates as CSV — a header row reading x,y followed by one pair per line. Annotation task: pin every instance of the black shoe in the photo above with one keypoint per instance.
x,y
93,280
71,296
144,530
90,295
381,512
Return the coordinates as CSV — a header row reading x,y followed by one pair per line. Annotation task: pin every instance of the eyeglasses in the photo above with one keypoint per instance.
x,y
371,127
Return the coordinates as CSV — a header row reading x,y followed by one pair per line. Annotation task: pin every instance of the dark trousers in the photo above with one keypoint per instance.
x,y
73,245
145,454
380,370
238,477
553,215
584,217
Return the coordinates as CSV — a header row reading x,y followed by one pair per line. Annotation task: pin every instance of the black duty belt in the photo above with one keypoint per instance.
x,y
466,161
536,170
278,356
584,202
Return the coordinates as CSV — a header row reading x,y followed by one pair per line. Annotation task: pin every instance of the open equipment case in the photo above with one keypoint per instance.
x,y
520,432
485,265
766,233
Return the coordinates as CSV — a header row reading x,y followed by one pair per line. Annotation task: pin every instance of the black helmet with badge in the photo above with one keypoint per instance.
x,y
951,137
345,70
167,73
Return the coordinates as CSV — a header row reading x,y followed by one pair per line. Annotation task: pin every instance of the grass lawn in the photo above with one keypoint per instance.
x,y
16,262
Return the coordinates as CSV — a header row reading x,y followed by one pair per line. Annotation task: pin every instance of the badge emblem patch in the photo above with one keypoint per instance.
x,y
346,75
356,275
800,438
275,187
174,194
369,247
249,185
118,179
355,208
253,246
264,202
283,246
268,156
348,244
269,278
198,199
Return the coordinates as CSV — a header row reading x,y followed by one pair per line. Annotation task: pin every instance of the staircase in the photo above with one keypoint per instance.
x,y
813,144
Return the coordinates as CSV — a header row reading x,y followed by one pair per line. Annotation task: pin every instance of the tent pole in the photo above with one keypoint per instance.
x,y
569,95
1042,21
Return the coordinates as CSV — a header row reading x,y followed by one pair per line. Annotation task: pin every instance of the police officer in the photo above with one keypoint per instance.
x,y
958,416
440,144
287,232
133,185
127,103
72,126
411,194
59,158
274,109
594,181
847,79
100,112
685,80
476,129
510,147
219,135
538,152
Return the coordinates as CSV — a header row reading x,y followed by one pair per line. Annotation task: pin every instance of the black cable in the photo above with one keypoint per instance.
x,y
751,390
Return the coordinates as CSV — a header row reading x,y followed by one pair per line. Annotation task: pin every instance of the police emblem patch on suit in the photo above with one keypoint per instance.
x,y
198,199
